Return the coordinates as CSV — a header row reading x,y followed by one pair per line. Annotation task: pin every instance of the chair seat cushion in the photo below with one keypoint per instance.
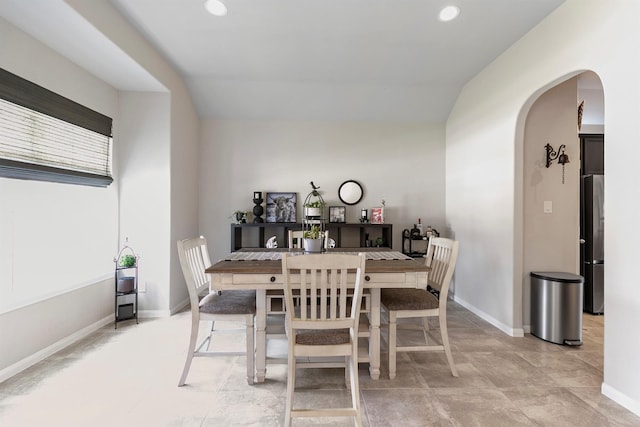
x,y
319,336
408,299
322,337
229,302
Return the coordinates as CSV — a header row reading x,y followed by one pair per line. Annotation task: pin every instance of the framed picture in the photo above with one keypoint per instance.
x,y
337,213
377,215
281,207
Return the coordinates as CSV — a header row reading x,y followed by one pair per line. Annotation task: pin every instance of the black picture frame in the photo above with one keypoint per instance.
x,y
337,214
281,207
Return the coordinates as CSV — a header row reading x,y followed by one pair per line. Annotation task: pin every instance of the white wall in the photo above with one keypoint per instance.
x,y
185,185
58,212
551,239
590,91
144,138
157,126
402,163
175,191
485,138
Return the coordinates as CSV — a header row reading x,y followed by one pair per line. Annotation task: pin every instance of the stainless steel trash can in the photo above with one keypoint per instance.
x,y
556,307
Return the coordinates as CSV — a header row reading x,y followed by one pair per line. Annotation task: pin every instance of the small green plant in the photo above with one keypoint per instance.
x,y
127,261
240,217
315,204
312,233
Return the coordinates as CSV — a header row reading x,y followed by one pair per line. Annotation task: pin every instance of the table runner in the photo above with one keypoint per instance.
x,y
275,256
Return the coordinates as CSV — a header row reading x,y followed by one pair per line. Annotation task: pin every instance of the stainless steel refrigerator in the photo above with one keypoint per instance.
x,y
592,242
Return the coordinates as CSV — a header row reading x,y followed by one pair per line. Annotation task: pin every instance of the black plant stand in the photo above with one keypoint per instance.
x,y
126,283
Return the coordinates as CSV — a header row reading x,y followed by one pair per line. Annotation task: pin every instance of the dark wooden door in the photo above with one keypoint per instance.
x,y
592,154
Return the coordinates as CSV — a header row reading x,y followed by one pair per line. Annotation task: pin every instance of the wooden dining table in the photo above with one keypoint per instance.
x,y
261,270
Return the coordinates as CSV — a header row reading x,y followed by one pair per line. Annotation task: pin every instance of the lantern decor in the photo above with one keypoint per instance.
x,y
313,221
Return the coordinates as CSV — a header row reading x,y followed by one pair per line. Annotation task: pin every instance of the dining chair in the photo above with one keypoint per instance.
x,y
294,238
327,240
330,243
234,306
324,322
441,256
275,298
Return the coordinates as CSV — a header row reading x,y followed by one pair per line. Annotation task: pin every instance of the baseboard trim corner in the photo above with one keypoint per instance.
x,y
514,332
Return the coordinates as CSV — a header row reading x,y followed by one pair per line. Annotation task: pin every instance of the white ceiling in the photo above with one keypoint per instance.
x,y
380,60
58,26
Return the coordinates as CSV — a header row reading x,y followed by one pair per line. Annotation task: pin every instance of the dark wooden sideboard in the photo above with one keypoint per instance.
x,y
252,235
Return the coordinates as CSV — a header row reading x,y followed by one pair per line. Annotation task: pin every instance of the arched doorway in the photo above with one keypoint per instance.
x,y
550,196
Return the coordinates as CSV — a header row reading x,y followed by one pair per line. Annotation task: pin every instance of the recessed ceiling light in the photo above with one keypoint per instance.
x,y
449,13
215,7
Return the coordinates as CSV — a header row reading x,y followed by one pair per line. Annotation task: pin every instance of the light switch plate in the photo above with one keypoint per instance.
x,y
548,206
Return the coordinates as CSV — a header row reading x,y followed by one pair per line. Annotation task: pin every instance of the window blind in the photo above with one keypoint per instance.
x,y
46,137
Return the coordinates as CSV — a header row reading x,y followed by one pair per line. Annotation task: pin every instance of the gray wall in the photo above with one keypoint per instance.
x,y
400,163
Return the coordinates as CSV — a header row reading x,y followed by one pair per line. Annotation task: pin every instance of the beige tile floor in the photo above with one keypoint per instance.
x,y
128,377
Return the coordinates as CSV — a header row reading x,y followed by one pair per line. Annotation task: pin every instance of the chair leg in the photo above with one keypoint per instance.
x,y
210,334
195,323
445,342
392,344
425,329
347,377
291,384
251,366
355,387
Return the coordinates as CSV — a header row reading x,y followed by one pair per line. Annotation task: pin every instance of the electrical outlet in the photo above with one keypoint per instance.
x,y
548,206
142,288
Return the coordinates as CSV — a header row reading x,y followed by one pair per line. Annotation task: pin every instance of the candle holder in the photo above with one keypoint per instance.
x,y
364,215
257,209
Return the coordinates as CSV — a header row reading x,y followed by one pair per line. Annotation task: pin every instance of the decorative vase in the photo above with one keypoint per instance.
x,y
258,210
312,245
312,212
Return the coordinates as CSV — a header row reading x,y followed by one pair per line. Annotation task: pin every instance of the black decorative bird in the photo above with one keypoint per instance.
x,y
315,189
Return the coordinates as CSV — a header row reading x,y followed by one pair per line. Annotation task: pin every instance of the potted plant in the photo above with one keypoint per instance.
x,y
312,239
127,261
313,209
239,216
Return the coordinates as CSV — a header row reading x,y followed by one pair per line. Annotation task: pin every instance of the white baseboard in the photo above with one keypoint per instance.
x,y
149,314
514,332
152,314
621,398
182,304
27,362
